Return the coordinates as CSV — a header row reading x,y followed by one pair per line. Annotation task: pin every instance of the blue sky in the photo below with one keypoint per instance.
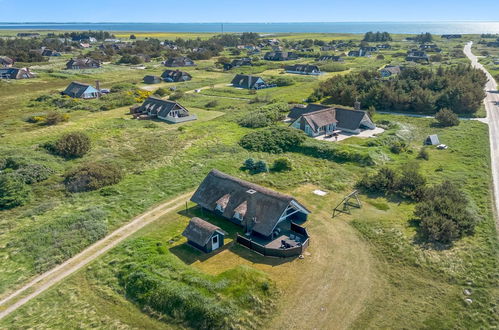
x,y
245,11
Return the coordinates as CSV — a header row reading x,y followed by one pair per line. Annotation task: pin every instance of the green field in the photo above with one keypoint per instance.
x,y
363,270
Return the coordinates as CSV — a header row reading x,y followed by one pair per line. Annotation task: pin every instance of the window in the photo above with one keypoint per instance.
x,y
219,208
238,216
215,239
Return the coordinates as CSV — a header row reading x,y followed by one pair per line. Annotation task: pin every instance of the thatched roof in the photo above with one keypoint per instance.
x,y
254,202
320,118
200,231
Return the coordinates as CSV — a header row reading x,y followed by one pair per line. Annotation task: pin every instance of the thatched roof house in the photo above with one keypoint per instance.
x,y
149,79
169,111
204,235
306,69
179,61
257,208
16,73
82,63
248,81
6,62
280,56
175,76
81,91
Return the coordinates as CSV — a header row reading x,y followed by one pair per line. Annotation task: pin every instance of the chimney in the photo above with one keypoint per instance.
x,y
249,81
97,85
356,105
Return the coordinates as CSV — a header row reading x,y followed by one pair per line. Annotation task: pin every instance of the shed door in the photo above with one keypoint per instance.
x,y
215,242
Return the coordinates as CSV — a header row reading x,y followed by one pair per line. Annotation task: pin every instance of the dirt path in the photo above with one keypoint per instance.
x,y
16,299
492,106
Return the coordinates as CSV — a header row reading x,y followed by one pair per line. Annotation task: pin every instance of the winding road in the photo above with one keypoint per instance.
x,y
492,106
18,298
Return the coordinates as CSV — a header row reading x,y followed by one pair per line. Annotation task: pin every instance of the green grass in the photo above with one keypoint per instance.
x,y
365,269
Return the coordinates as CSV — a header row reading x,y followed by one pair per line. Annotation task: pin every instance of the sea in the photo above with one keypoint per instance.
x,y
461,27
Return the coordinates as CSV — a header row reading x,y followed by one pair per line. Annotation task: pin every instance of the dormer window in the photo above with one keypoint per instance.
x,y
220,208
221,204
238,216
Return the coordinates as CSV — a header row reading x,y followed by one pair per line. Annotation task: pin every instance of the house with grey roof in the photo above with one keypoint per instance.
x,y
248,82
169,111
332,58
415,55
306,69
16,73
6,62
390,70
203,235
83,63
236,63
280,56
80,90
257,209
179,61
318,119
175,76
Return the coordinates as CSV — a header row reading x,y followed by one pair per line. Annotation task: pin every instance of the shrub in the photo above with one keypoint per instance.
x,y
333,67
398,147
54,118
176,96
121,87
273,140
71,145
444,214
423,154
282,164
92,176
384,181
13,191
260,167
447,118
249,164
161,92
411,183
282,81
211,104
34,173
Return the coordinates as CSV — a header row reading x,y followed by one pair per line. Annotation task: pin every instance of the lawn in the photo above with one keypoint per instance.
x,y
363,270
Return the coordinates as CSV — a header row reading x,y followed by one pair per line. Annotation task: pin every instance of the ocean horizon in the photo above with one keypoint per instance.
x,y
450,27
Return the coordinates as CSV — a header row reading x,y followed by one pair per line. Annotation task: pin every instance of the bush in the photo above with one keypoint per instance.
x,y
176,96
273,140
282,81
71,145
408,183
447,118
92,176
249,164
161,92
260,167
333,67
398,147
13,191
54,118
211,104
282,164
34,173
444,214
423,154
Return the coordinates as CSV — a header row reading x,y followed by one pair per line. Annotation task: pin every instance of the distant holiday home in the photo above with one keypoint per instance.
x,y
332,58
280,56
16,73
175,76
179,62
318,119
82,63
169,111
150,79
6,62
390,70
82,91
415,55
248,82
305,69
238,63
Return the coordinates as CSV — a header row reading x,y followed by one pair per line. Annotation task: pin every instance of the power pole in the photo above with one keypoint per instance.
x,y
222,24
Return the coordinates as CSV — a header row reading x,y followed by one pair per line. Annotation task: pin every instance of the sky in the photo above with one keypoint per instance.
x,y
190,11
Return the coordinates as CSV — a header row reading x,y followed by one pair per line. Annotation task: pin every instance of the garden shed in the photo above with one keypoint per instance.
x,y
203,235
432,140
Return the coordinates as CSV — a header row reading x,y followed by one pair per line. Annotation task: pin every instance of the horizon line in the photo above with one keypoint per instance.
x,y
252,22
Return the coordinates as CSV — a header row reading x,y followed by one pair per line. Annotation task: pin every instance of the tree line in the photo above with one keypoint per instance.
x,y
459,88
377,36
